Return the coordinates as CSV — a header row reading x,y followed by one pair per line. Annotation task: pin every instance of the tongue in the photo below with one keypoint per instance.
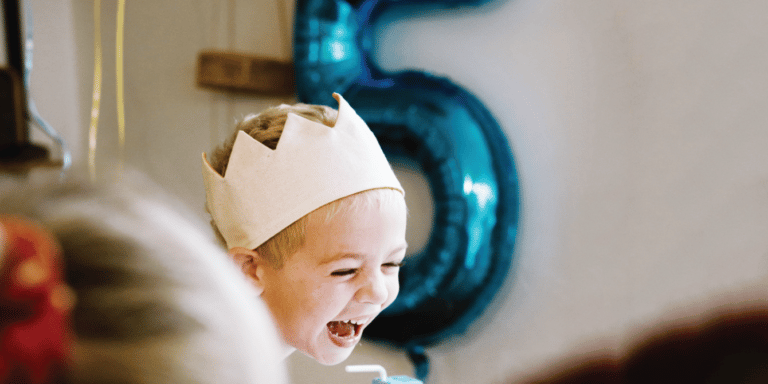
x,y
341,329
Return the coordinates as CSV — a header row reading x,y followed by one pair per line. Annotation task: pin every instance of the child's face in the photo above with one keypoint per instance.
x,y
346,271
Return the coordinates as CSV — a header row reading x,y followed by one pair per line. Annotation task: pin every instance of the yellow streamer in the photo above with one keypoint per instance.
x,y
96,89
119,74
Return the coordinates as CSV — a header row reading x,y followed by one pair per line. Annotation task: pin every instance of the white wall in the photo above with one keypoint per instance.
x,y
639,130
169,120
56,75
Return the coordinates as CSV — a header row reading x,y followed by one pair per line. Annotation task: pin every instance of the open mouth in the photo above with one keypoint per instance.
x,y
345,333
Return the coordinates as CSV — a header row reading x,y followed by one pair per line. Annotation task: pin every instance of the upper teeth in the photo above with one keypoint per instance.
x,y
355,322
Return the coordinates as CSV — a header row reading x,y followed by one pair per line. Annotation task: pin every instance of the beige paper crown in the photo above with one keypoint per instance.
x,y
264,191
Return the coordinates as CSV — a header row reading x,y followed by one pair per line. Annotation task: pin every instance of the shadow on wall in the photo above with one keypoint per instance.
x,y
731,347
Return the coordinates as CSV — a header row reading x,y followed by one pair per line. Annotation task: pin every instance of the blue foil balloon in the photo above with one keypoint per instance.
x,y
459,146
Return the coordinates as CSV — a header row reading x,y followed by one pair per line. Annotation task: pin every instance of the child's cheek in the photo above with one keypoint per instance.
x,y
394,290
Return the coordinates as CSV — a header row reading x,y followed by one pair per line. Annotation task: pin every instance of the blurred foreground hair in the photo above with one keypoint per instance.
x,y
157,301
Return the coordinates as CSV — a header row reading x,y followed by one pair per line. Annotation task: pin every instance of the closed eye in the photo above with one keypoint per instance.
x,y
394,264
344,272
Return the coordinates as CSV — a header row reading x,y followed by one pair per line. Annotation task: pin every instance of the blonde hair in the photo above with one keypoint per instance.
x,y
291,239
267,127
154,303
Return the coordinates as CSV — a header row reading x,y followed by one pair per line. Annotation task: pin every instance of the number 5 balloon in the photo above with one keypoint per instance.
x,y
459,146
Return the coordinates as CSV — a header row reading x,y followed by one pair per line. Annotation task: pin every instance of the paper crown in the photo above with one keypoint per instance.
x,y
264,191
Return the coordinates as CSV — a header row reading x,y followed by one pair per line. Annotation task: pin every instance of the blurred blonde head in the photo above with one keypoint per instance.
x,y
156,300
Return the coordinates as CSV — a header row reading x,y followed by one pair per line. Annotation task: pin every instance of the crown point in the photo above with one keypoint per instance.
x,y
209,173
244,151
344,106
347,119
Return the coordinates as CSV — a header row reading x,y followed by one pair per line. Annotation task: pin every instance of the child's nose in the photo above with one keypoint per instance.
x,y
374,291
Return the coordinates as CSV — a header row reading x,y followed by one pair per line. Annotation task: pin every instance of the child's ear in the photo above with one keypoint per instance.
x,y
250,262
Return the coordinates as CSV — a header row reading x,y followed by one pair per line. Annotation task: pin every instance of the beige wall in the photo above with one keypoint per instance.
x,y
169,121
639,129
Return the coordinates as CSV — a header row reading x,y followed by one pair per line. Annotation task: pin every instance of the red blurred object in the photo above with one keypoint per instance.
x,y
34,305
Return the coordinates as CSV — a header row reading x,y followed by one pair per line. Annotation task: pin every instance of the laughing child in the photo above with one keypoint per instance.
x,y
312,213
